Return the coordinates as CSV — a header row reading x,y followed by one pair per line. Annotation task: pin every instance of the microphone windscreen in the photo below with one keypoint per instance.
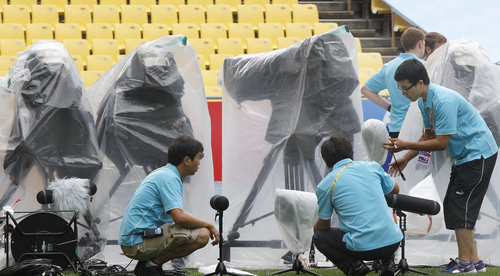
x,y
219,203
412,204
45,197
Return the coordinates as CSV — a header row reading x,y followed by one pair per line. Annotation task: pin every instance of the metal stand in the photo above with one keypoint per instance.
x,y
296,266
403,264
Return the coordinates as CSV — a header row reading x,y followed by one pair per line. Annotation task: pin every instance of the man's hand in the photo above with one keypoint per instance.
x,y
395,145
214,235
394,170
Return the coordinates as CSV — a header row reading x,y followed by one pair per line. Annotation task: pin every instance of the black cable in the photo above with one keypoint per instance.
x,y
395,161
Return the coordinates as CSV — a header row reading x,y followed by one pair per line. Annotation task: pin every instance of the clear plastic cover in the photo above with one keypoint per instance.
x,y
150,97
373,134
47,131
278,107
463,66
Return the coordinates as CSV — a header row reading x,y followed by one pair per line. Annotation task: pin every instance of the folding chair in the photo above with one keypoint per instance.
x,y
201,62
210,77
250,14
216,60
89,77
358,45
232,46
278,13
12,31
213,92
203,3
148,4
365,74
78,47
89,3
192,14
16,14
259,45
78,14
302,30
6,62
99,62
241,31
272,31
67,31
164,14
370,60
232,3
28,3
117,3
106,14
78,62
261,3
321,28
10,47
219,14
126,30
134,14
213,31
131,44
305,13
106,47
203,46
2,2
154,30
287,2
45,14
284,42
190,30
97,31
38,31
176,3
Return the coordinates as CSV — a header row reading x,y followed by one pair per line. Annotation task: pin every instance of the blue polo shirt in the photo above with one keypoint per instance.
x,y
384,79
470,137
160,192
358,198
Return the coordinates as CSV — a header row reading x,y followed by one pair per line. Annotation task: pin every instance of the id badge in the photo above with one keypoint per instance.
x,y
424,156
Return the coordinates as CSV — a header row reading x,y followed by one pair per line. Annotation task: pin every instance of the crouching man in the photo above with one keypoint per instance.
x,y
355,191
157,203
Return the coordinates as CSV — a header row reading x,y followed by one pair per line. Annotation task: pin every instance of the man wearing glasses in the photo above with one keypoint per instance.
x,y
413,41
451,124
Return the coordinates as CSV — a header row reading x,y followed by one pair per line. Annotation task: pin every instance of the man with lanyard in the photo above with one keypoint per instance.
x,y
157,205
355,191
413,41
453,125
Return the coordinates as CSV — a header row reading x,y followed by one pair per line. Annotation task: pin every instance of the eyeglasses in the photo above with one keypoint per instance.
x,y
405,91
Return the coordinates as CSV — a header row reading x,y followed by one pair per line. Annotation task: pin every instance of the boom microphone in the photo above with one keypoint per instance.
x,y
47,196
412,204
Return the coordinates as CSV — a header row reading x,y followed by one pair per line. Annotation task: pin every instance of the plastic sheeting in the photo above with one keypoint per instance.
x,y
47,131
151,96
461,65
278,108
373,134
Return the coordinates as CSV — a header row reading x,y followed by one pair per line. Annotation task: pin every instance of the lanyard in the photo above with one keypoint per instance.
x,y
335,181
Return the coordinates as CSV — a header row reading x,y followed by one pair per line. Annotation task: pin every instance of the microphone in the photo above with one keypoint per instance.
x,y
219,203
47,196
413,204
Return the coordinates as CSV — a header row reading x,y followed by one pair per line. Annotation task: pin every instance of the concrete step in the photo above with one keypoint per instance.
x,y
351,23
327,5
363,32
336,14
375,41
382,50
388,58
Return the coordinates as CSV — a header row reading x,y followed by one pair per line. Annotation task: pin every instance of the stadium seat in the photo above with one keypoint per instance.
x,y
131,44
365,74
284,42
3,73
400,25
147,4
37,31
118,57
6,62
165,14
89,3
28,3
278,13
241,31
213,92
98,30
45,14
261,3
176,3
250,14
302,30
232,46
10,47
232,3
202,3
190,30
259,45
216,60
272,31
287,2
58,3
16,14
78,62
126,30
89,77
203,46
210,77
105,47
106,14
134,14
213,31
78,14
219,14
67,31
305,13
78,47
191,14
2,2
117,3
201,62
321,28
12,31
154,30
99,62
379,6
358,45
370,60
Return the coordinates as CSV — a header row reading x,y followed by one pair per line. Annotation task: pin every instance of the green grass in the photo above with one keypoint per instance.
x,y
491,271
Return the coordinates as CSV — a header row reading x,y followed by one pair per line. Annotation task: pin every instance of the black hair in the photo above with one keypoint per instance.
x,y
413,71
335,149
181,147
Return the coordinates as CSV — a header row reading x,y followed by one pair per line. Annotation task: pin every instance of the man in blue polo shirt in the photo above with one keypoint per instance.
x,y
453,125
355,191
157,203
413,41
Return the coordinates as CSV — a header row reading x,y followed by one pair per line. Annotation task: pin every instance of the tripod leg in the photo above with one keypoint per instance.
x,y
282,271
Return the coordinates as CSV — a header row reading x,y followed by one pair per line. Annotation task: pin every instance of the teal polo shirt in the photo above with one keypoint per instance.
x,y
358,198
384,79
160,192
470,137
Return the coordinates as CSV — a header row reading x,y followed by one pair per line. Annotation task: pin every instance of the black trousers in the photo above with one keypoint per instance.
x,y
329,242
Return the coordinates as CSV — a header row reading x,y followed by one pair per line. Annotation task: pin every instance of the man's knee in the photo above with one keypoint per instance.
x,y
203,237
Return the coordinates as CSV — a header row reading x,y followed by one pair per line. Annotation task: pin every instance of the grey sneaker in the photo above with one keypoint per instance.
x,y
457,266
480,267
